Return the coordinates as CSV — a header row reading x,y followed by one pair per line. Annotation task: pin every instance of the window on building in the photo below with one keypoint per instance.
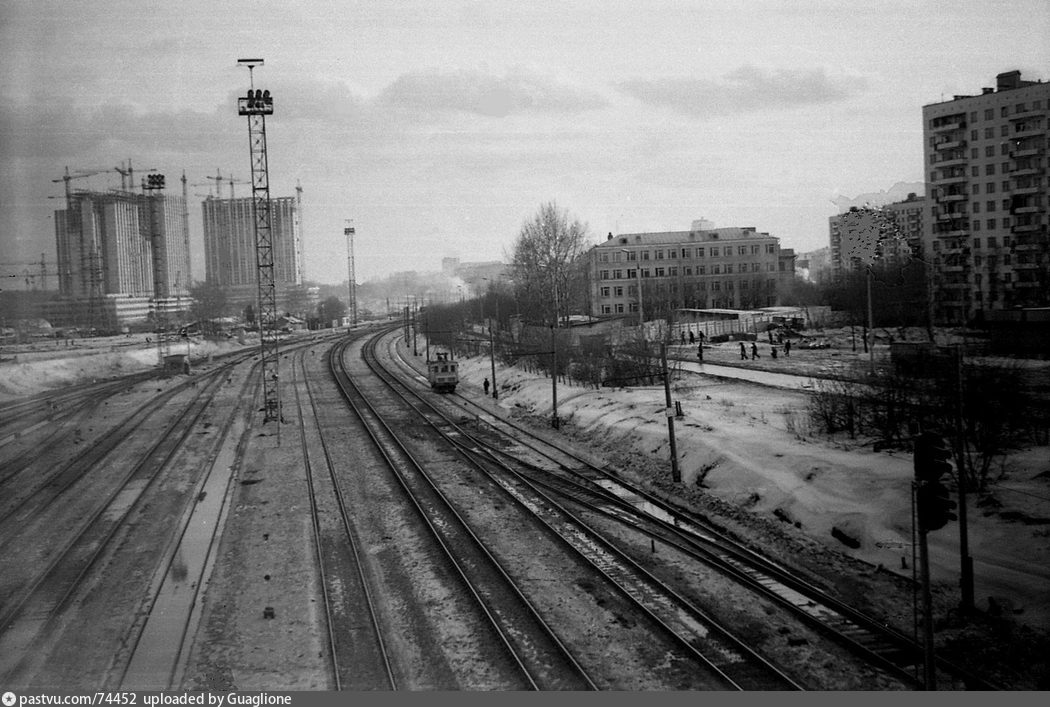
x,y
604,291
977,207
1003,132
606,309
975,171
699,252
619,292
659,272
1004,111
973,153
989,188
741,250
632,273
989,133
685,253
1006,205
989,114
645,255
992,242
672,271
989,206
729,285
771,249
976,226
619,309
688,270
1006,185
990,224
770,267
717,270
975,188
973,116
604,275
701,270
1004,149
645,272
755,267
1006,222
716,286
660,254
989,169
632,255
617,274
672,253
727,251
604,258
743,284
989,150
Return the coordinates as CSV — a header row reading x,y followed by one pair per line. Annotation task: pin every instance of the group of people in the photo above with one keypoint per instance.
x,y
754,350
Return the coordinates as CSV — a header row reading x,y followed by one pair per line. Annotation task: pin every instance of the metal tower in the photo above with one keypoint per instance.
x,y
348,231
257,105
153,187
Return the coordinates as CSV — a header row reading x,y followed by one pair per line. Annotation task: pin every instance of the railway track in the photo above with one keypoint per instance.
x,y
732,664
530,646
599,490
357,651
96,519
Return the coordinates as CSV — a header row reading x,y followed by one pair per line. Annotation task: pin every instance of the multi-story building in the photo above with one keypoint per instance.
x,y
737,268
229,248
902,237
985,239
120,247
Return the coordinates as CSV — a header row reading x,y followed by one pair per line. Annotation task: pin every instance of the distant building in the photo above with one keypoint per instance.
x,y
737,268
121,255
985,237
230,253
815,265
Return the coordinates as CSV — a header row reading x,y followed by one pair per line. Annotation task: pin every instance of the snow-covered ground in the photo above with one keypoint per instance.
x,y
746,443
742,441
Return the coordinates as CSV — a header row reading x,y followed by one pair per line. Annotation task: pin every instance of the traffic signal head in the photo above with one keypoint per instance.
x,y
935,507
931,457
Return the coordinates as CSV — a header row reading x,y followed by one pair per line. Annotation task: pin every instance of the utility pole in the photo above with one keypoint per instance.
x,y
152,186
676,475
966,562
555,422
256,106
348,231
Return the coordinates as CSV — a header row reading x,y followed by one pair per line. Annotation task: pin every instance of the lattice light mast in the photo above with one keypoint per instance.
x,y
348,231
153,188
257,105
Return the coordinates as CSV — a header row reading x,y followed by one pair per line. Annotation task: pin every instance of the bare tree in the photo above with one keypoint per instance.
x,y
547,263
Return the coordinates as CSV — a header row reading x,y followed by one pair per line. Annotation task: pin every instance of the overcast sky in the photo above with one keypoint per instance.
x,y
439,127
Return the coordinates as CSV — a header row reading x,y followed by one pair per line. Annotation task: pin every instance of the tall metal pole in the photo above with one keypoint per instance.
x,y
555,422
352,285
966,562
929,672
871,330
676,475
256,106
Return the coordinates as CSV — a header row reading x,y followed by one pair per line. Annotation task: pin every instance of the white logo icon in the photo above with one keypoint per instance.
x,y
9,699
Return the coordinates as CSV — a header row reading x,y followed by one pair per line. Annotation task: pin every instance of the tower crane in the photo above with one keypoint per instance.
x,y
127,175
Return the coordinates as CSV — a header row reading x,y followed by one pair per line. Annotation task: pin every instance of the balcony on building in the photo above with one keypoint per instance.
x,y
1026,171
1025,188
948,123
950,142
948,197
1023,130
1026,114
1026,227
956,177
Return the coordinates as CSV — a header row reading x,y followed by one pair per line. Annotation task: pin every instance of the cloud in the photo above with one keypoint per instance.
x,y
515,92
744,90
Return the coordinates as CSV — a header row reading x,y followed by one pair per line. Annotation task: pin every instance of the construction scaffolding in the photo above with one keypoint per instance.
x,y
256,106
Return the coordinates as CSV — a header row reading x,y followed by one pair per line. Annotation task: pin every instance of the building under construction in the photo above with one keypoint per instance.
x,y
230,255
122,258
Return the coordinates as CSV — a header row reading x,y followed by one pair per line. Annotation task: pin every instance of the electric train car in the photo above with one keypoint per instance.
x,y
443,373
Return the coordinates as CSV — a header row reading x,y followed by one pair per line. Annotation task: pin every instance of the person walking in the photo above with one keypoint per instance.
x,y
743,352
692,337
486,384
774,352
700,352
787,347
754,350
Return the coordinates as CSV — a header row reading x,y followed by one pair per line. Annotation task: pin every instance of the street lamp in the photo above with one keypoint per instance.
x,y
638,269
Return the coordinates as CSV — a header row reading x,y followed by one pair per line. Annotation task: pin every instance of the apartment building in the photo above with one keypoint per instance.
x,y
121,248
985,236
735,268
229,247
